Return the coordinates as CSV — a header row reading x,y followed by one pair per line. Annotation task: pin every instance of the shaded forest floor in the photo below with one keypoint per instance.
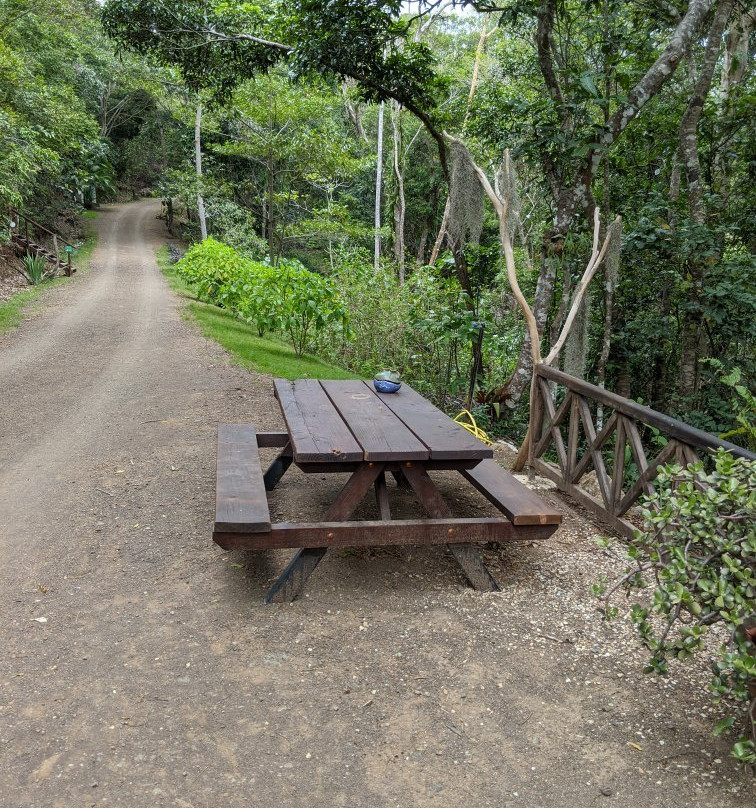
x,y
140,666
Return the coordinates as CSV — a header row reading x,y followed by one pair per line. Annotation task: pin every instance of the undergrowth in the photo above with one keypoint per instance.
x,y
263,354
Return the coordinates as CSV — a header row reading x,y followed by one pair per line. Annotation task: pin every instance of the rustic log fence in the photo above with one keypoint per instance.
x,y
585,444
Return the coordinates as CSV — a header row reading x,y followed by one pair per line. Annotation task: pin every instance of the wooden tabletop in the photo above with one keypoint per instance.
x,y
348,421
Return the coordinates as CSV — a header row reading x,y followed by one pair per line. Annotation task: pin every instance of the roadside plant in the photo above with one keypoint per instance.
x,y
286,298
697,551
36,269
309,303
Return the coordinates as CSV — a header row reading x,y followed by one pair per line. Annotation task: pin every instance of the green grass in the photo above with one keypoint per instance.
x,y
263,354
12,311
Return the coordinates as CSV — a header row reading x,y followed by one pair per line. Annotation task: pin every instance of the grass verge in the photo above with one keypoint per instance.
x,y
12,311
263,354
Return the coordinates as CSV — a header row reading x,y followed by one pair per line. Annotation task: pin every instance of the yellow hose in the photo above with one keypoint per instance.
x,y
472,427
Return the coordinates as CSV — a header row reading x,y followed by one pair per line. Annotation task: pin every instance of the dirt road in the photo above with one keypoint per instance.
x,y
139,667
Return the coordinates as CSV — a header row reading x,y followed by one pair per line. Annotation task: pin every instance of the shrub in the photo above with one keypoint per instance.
x,y
698,551
286,298
209,265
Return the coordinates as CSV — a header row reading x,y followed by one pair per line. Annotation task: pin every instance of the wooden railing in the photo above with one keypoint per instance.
x,y
17,218
620,435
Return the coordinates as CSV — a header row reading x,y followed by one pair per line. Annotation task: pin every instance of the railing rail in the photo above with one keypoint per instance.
x,y
29,221
586,443
30,247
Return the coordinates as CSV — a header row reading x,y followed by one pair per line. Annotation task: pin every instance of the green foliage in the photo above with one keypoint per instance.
x,y
209,266
697,550
37,269
264,355
424,327
286,298
744,405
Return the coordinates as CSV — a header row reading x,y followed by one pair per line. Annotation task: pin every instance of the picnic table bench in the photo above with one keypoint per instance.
x,y
345,426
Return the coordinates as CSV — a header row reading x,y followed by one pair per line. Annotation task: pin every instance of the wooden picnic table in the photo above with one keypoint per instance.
x,y
346,426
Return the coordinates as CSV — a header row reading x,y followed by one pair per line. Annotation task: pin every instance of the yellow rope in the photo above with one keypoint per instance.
x,y
472,427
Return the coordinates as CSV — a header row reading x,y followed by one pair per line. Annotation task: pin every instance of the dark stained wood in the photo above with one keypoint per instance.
x,y
598,461
278,468
380,533
380,433
472,565
445,439
240,501
318,434
667,424
429,496
353,492
430,465
466,555
272,440
555,418
638,486
573,434
601,439
618,472
521,505
381,496
292,580
549,471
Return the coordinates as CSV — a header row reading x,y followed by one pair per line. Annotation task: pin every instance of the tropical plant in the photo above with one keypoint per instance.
x,y
286,298
37,269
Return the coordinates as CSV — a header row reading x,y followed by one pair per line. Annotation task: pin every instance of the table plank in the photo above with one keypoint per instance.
x,y
377,429
445,439
318,433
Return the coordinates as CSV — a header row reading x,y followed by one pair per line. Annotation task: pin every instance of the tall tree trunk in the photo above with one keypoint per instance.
x,y
378,190
400,206
270,191
198,169
688,135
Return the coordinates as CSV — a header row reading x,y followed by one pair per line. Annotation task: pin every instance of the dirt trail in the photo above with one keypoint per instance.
x,y
139,666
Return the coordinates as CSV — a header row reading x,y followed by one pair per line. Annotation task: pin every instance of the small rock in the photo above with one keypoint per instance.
x,y
606,791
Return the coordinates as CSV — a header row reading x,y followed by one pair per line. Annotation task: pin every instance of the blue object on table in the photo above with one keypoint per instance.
x,y
385,386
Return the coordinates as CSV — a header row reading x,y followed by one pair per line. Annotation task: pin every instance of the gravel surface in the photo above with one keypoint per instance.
x,y
141,668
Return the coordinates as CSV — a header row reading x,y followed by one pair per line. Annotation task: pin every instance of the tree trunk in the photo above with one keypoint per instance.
x,y
688,135
353,110
198,169
378,190
400,206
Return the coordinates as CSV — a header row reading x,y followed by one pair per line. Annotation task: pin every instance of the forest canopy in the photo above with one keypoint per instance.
x,y
271,125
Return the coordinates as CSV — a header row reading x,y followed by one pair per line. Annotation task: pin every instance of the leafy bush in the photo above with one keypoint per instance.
x,y
286,298
210,265
698,550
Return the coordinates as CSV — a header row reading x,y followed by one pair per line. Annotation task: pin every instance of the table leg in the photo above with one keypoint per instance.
x,y
381,496
474,567
401,480
292,580
278,468
466,555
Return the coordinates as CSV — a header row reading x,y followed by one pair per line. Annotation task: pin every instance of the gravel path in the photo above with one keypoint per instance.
x,y
139,666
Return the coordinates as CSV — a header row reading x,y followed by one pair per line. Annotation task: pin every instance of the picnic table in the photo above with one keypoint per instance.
x,y
346,426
